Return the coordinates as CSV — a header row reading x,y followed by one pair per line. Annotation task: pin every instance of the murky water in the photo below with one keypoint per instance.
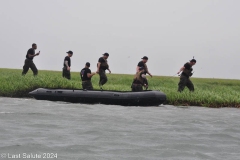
x,y
31,129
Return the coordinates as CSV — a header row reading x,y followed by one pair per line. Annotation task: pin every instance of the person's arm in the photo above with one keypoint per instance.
x,y
98,67
145,82
146,69
137,69
181,69
66,63
149,73
89,75
144,76
30,55
109,70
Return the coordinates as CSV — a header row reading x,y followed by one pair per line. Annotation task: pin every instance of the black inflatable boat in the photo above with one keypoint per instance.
x,y
143,98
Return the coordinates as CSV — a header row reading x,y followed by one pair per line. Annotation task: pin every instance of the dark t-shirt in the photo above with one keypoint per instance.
x,y
141,64
102,60
67,59
30,51
187,66
83,74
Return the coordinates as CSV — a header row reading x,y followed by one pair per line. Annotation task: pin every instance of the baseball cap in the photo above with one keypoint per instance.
x,y
145,57
88,64
193,60
106,54
70,52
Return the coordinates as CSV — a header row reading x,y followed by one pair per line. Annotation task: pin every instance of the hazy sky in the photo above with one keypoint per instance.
x,y
169,32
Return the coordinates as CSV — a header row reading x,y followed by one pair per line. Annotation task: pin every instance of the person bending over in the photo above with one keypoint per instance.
x,y
144,65
86,76
139,80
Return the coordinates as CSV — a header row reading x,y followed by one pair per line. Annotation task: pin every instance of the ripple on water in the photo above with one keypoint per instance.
x,y
79,131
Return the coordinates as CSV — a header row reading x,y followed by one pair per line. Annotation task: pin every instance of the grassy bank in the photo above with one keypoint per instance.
x,y
209,92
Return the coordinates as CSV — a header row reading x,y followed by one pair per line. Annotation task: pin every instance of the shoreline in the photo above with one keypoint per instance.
x,y
214,93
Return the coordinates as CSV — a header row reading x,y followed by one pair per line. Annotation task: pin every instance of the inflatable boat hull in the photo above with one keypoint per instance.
x,y
144,98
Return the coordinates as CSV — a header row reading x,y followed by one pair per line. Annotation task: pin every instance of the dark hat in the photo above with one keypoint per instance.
x,y
88,64
193,60
106,54
145,57
70,52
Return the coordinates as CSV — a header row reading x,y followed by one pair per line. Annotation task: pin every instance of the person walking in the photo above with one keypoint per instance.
x,y
29,61
186,73
102,66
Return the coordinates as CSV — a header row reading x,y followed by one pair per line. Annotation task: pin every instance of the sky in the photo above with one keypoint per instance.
x,y
169,32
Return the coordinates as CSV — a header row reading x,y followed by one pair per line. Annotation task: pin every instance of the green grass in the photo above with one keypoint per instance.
x,y
208,92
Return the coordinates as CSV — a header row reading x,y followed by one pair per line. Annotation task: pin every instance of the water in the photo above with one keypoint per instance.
x,y
107,132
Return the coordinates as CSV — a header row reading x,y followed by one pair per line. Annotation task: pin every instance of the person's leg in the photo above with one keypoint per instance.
x,y
33,68
25,67
103,77
190,85
134,88
182,83
84,85
66,73
139,88
87,85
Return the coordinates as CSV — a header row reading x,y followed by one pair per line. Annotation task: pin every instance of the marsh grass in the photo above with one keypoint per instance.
x,y
208,92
